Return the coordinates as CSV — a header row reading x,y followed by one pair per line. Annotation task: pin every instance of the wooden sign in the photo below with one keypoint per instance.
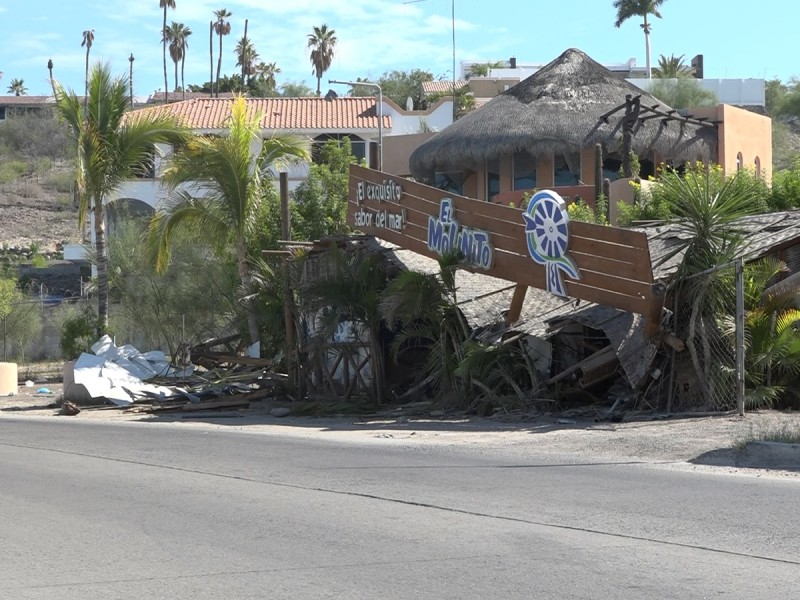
x,y
538,247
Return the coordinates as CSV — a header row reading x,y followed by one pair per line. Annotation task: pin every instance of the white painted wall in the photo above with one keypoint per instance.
x,y
406,122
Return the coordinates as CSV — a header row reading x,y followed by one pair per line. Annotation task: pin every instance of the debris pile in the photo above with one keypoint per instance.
x,y
206,377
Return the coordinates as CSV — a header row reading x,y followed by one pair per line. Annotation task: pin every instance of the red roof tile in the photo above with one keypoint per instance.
x,y
279,113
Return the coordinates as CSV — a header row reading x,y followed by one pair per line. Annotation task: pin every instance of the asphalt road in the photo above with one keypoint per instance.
x,y
94,510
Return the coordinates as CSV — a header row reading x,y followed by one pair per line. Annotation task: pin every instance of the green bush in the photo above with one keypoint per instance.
x,y
60,181
785,193
11,170
78,333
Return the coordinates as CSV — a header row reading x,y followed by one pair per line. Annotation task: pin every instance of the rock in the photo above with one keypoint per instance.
x,y
280,411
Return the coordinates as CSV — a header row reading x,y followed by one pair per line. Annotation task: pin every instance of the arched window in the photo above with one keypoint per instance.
x,y
758,166
739,161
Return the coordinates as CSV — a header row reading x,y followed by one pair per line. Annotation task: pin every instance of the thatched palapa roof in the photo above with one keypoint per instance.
x,y
558,110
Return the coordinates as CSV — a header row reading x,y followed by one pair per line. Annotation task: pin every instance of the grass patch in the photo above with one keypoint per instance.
x,y
11,170
61,181
786,433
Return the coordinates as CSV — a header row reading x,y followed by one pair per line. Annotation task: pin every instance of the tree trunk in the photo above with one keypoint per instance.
x,y
241,255
86,83
647,46
183,81
219,63
319,80
211,54
244,52
102,267
164,36
176,75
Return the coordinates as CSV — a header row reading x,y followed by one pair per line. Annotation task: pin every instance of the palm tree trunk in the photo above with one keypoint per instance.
x,y
183,81
319,80
86,84
244,58
647,46
102,267
219,63
241,255
211,53
164,36
176,75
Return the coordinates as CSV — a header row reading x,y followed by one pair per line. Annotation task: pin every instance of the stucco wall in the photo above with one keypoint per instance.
x,y
398,148
741,131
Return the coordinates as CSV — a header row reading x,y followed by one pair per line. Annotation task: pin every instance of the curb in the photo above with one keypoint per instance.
x,y
770,455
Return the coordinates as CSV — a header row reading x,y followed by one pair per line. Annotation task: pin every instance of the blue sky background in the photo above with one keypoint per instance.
x,y
739,38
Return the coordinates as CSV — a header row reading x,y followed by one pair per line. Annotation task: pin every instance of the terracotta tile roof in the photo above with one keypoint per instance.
x,y
25,100
295,114
441,86
158,96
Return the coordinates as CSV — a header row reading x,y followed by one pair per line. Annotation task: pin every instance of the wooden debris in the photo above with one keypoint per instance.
x,y
69,408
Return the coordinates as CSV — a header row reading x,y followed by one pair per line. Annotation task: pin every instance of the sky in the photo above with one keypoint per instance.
x,y
738,38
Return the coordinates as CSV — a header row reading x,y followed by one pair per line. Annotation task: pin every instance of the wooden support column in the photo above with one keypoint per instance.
x,y
512,316
652,323
288,312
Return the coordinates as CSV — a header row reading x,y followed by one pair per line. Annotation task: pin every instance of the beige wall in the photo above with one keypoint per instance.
x,y
398,148
489,88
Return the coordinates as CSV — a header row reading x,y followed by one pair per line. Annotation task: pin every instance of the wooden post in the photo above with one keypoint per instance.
x,y
598,172
740,336
628,121
288,313
512,316
652,323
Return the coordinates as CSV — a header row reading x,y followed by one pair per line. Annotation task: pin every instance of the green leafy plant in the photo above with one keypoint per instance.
x,y
78,333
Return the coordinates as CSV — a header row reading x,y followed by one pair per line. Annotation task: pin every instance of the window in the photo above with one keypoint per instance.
x,y
758,166
2,113
492,178
739,161
566,169
357,145
524,171
452,182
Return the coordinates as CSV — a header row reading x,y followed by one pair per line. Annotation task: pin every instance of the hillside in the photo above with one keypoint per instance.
x,y
37,210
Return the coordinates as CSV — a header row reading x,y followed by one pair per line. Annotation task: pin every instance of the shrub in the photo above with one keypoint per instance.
x,y
785,193
78,333
11,170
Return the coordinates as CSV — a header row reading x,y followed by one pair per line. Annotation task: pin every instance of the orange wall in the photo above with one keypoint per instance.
x,y
741,131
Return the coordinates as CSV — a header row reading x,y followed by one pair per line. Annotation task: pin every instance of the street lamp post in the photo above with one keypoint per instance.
x,y
380,112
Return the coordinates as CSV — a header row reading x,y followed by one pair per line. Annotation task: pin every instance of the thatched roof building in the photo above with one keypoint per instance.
x,y
558,110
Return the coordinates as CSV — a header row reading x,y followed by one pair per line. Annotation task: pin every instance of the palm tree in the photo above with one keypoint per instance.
x,y
639,8
130,77
246,57
50,70
17,87
110,149
268,71
221,28
165,4
322,42
177,35
216,189
88,40
672,67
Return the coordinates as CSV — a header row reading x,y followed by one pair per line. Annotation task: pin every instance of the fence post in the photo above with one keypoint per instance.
x,y
740,336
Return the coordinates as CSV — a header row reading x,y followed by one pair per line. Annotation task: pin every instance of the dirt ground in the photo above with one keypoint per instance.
x,y
694,442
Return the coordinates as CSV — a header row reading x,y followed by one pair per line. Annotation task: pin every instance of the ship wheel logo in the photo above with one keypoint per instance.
x,y
547,232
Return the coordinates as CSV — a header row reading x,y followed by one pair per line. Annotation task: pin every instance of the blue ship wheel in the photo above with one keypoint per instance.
x,y
550,230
